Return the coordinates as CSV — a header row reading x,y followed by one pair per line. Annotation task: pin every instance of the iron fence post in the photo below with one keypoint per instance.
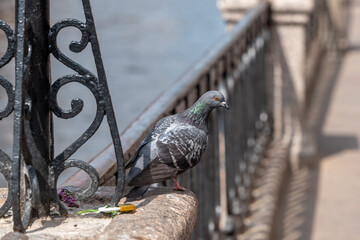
x,y
33,142
37,86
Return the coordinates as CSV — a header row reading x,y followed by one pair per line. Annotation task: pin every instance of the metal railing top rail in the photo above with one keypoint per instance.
x,y
179,93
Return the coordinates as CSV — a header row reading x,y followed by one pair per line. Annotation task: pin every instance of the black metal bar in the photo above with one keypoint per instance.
x,y
38,127
18,114
108,104
32,149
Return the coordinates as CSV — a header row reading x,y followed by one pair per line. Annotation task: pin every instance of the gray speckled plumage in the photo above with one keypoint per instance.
x,y
175,144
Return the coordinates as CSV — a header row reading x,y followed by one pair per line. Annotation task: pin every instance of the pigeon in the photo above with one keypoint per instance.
x,y
175,144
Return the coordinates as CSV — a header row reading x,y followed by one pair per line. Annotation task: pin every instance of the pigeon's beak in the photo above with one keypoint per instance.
x,y
224,104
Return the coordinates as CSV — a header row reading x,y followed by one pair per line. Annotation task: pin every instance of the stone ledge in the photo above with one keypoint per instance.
x,y
162,214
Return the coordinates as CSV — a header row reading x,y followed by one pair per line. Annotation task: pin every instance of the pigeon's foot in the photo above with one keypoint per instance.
x,y
177,186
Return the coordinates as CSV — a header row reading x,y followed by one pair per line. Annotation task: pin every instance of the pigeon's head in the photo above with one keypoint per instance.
x,y
214,99
199,112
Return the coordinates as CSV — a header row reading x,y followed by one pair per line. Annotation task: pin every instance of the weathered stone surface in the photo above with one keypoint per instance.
x,y
15,236
162,214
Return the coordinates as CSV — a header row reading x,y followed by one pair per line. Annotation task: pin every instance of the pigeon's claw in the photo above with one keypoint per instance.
x,y
177,186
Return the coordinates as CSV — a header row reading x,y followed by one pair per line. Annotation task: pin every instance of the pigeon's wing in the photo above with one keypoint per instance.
x,y
159,128
154,172
144,156
178,149
182,146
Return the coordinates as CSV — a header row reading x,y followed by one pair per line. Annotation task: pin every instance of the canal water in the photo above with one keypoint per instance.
x,y
146,45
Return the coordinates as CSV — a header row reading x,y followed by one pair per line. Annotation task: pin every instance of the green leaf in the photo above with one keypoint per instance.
x,y
88,211
114,213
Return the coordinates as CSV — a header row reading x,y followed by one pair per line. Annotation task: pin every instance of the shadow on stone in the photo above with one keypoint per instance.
x,y
333,144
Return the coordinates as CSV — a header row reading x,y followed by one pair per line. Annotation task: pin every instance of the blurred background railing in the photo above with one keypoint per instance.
x,y
302,36
303,31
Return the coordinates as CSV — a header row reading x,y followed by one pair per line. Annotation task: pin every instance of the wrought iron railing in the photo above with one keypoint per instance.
x,y
239,66
33,170
311,27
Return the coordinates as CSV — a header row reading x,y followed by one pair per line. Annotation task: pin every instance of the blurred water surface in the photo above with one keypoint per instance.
x,y
146,45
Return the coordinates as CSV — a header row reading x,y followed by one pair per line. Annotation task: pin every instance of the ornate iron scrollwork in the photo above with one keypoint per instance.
x,y
97,86
9,54
5,160
10,35
22,172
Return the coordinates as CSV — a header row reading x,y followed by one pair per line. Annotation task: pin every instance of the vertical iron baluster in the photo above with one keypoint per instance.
x,y
18,114
110,115
38,130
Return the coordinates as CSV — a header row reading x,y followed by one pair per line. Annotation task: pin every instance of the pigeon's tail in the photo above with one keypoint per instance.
x,y
137,192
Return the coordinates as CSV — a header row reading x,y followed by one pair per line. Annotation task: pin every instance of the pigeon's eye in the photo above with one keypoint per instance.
x,y
216,98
